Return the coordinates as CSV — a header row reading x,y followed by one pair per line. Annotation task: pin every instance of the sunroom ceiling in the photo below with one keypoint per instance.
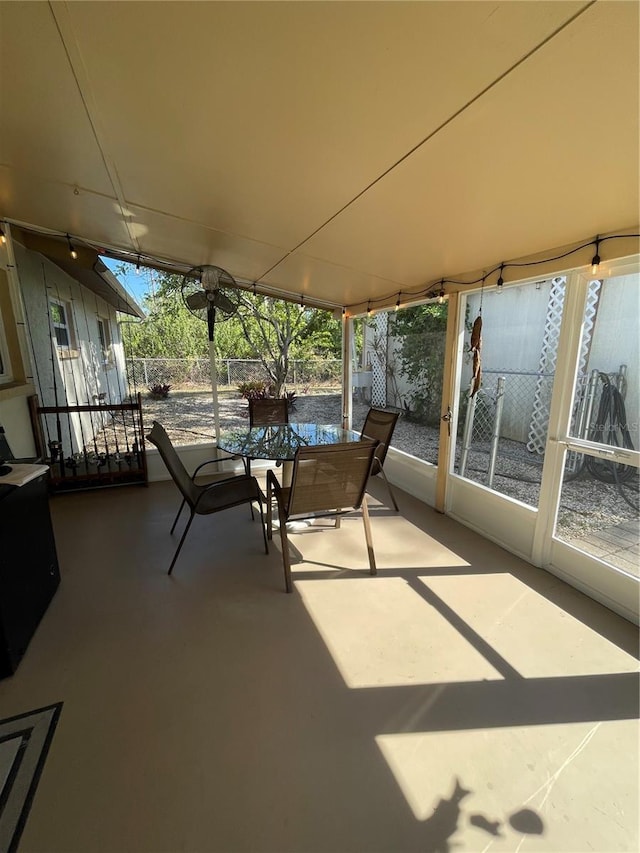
x,y
344,151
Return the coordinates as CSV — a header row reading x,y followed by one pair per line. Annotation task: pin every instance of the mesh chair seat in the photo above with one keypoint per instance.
x,y
238,490
380,424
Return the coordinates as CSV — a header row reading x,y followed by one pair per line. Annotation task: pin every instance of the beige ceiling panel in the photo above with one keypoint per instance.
x,y
310,277
194,245
56,207
45,130
263,119
549,156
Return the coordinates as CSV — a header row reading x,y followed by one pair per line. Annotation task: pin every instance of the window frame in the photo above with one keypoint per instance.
x,y
6,370
105,340
70,348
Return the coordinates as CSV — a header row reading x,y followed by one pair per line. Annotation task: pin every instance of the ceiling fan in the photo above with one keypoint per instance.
x,y
209,292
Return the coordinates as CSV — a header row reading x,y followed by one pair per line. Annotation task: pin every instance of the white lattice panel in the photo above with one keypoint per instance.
x,y
546,369
379,362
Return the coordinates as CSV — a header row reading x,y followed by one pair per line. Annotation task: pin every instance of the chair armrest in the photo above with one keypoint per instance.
x,y
275,489
214,462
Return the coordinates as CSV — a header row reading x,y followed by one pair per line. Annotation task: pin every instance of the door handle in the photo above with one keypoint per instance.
x,y
447,419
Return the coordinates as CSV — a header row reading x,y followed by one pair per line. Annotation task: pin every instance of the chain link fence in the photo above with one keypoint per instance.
x,y
503,429
495,428
194,373
516,394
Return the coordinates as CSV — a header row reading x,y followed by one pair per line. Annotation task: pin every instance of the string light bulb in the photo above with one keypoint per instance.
x,y
595,260
441,296
397,308
72,251
138,266
369,309
500,280
3,236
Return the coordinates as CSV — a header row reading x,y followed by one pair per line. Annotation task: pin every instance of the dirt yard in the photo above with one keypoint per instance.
x,y
188,418
586,503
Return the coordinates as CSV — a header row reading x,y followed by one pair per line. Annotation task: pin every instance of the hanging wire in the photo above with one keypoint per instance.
x,y
427,292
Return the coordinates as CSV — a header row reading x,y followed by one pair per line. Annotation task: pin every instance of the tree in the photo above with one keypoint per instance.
x,y
168,331
270,330
278,331
421,333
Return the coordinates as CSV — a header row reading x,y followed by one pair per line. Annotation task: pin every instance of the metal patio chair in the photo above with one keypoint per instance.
x,y
266,411
380,424
204,499
328,481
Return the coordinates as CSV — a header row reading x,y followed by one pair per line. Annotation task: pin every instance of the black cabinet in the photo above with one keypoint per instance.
x,y
29,572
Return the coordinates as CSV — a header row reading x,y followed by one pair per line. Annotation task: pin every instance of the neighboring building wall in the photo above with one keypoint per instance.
x,y
615,341
512,342
81,372
513,329
514,325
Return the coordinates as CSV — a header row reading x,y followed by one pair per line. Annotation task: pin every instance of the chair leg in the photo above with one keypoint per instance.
x,y
286,560
264,529
247,471
269,500
367,533
175,521
393,500
182,538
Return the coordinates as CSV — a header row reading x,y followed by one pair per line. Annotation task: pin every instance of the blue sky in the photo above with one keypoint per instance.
x,y
137,285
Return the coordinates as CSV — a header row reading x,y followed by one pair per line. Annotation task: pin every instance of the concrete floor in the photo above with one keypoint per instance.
x,y
460,700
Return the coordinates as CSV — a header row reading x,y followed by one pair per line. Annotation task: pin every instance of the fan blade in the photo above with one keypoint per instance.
x,y
196,300
224,303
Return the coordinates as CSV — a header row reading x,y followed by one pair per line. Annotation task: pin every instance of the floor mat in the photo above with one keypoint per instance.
x,y
24,744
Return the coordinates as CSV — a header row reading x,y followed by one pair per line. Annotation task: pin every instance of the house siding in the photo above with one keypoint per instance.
x,y
59,378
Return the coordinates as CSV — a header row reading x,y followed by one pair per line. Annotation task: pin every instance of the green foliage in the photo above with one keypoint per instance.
x,y
270,330
252,390
159,391
321,336
259,391
291,398
421,331
169,329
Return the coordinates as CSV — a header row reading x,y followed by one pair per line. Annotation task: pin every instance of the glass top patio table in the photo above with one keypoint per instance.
x,y
279,442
